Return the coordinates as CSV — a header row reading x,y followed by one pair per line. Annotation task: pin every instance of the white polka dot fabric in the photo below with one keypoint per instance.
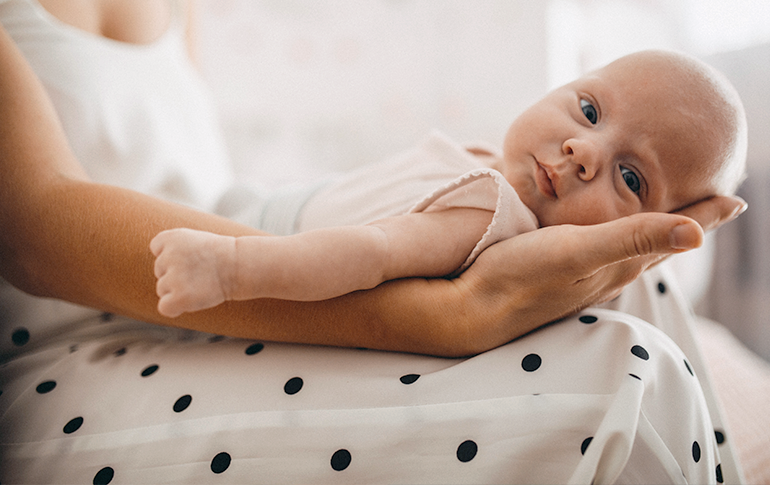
x,y
600,397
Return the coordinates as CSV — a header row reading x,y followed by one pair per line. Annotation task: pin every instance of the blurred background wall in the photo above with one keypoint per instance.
x,y
307,87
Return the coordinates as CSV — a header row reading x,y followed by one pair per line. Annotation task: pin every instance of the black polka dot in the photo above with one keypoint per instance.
x,y
695,451
661,288
409,378
106,317
104,476
467,451
220,463
689,369
73,348
73,425
531,362
254,349
640,352
216,338
120,352
293,385
719,474
340,460
588,319
20,336
584,445
720,436
635,376
45,387
182,403
150,370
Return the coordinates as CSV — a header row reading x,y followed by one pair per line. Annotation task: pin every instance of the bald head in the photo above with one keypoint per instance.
x,y
651,132
709,99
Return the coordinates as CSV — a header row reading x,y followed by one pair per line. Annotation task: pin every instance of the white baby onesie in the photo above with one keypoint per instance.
x,y
483,188
398,185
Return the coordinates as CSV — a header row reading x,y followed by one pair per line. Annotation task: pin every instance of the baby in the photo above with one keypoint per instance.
x,y
652,131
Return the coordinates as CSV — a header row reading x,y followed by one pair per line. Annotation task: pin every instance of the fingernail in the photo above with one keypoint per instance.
x,y
740,209
683,237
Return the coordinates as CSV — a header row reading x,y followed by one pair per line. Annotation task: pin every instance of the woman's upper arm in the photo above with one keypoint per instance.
x,y
26,152
33,154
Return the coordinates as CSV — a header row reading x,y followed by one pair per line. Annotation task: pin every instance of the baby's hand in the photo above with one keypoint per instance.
x,y
194,270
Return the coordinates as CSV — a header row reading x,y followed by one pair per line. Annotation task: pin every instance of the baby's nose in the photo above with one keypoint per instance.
x,y
585,155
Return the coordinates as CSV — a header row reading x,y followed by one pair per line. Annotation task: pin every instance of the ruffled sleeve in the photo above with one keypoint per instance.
x,y
486,189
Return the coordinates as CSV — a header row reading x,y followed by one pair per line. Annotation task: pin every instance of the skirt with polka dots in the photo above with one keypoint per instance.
x,y
600,397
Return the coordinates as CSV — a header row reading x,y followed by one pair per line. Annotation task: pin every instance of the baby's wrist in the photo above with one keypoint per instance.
x,y
229,269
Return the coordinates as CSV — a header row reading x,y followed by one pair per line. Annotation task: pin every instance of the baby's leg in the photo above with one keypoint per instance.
x,y
194,270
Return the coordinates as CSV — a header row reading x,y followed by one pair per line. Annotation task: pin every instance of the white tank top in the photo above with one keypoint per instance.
x,y
137,116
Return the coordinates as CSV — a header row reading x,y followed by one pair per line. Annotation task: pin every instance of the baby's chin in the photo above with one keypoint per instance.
x,y
542,220
550,219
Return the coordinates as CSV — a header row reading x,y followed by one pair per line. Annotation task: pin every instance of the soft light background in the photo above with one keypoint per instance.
x,y
309,87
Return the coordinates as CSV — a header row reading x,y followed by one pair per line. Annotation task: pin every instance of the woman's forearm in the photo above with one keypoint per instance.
x,y
89,244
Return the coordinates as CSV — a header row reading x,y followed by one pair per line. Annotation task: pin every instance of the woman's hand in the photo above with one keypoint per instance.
x,y
535,278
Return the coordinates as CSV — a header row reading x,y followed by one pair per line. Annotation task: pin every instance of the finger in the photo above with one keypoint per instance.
x,y
168,307
640,235
715,211
163,288
160,268
156,245
164,238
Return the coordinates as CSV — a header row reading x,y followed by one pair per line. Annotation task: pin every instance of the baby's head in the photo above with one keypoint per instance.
x,y
651,132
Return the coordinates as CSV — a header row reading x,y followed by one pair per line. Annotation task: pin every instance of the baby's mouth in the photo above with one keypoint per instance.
x,y
544,182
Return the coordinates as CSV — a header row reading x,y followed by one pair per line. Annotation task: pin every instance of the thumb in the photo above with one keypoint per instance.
x,y
645,234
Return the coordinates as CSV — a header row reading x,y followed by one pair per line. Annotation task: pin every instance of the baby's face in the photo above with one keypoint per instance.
x,y
622,140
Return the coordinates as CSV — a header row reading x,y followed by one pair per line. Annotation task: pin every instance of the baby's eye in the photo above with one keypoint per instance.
x,y
590,111
631,179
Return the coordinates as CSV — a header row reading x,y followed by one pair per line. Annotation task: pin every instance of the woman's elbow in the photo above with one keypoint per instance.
x,y
22,275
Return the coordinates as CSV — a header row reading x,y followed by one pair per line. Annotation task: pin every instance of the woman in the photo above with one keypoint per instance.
x,y
70,233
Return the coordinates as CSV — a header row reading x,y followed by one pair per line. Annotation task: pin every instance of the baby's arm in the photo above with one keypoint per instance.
x,y
198,270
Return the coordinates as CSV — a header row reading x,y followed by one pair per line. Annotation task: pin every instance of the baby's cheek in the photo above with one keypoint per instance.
x,y
585,212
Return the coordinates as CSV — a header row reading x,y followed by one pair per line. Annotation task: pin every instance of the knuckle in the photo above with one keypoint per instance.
x,y
639,244
156,246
